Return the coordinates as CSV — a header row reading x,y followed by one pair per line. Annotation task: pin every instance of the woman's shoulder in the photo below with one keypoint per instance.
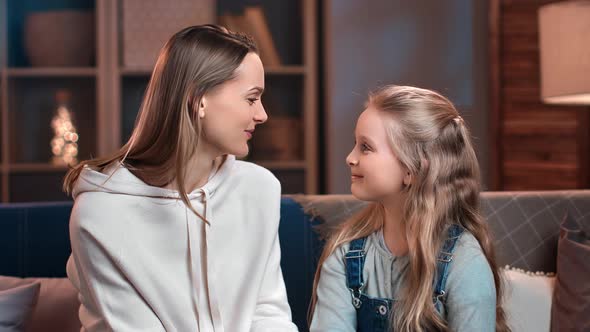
x,y
256,174
97,211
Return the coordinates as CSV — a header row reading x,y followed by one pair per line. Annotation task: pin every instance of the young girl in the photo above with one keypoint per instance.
x,y
419,257
167,233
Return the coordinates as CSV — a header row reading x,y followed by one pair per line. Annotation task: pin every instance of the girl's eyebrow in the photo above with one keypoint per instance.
x,y
363,137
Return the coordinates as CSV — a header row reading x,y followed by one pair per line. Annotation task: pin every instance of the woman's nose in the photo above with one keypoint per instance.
x,y
260,116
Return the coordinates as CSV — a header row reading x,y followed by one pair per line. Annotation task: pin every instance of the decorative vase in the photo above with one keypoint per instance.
x,y
60,38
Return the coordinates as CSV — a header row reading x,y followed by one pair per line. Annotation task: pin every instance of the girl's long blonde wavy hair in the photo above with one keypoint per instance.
x,y
433,143
193,62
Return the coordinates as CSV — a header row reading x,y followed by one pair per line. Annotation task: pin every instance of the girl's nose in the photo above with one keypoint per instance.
x,y
351,160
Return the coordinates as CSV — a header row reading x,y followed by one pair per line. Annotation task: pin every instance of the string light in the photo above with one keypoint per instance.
x,y
64,145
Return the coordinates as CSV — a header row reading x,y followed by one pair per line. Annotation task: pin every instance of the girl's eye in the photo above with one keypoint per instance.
x,y
365,147
251,101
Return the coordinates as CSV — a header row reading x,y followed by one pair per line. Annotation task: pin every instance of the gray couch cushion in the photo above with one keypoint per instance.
x,y
525,225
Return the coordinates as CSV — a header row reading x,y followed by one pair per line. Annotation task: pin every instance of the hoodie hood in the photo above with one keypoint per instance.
x,y
117,179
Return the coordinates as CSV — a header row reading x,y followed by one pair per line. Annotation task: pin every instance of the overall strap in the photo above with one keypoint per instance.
x,y
355,261
444,259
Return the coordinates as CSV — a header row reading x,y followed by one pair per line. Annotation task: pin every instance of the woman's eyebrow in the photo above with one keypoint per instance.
x,y
257,89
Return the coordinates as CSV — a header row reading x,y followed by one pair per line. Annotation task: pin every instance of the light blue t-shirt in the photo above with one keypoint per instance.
x,y
470,303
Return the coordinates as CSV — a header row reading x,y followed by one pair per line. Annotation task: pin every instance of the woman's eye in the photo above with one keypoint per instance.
x,y
365,147
251,101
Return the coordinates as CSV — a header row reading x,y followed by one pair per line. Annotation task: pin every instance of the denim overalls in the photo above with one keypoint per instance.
x,y
373,313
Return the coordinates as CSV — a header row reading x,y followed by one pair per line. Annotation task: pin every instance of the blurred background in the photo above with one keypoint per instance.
x,y
73,73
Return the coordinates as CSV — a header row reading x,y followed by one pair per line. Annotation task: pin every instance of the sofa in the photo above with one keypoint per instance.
x,y
34,243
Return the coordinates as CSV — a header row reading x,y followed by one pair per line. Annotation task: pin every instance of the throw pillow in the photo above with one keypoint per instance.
x,y
571,301
57,307
17,305
527,300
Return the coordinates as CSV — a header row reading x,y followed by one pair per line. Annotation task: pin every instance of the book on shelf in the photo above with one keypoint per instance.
x,y
253,22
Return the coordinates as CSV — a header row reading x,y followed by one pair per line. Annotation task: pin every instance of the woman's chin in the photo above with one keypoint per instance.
x,y
241,152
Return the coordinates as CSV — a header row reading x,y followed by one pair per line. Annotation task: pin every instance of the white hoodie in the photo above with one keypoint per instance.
x,y
142,261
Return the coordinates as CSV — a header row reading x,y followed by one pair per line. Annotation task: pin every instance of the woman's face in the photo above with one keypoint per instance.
x,y
234,109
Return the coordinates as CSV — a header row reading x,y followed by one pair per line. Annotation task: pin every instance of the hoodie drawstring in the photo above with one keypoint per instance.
x,y
196,228
194,262
213,298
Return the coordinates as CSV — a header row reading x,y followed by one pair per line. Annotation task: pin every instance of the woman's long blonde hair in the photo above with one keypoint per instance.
x,y
432,141
193,62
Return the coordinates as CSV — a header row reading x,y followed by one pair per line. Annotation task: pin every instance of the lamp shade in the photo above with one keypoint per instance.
x,y
564,43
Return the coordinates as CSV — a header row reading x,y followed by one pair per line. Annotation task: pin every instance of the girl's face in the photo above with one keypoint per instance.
x,y
232,111
376,173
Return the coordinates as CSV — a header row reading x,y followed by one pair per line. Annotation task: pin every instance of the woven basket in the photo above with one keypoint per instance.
x,y
148,24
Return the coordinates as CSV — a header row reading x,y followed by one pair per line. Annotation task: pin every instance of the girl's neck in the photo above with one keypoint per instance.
x,y
394,231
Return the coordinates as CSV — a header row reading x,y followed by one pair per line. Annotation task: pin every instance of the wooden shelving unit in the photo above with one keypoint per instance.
x,y
51,72
36,167
107,96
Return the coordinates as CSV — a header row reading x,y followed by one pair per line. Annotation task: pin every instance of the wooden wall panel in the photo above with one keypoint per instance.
x,y
538,146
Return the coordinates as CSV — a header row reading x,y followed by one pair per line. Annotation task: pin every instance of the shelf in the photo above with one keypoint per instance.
x,y
135,71
282,165
31,109
271,70
36,187
292,181
36,167
52,72
285,70
106,95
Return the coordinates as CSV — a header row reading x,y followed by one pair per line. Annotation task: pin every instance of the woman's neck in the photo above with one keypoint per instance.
x,y
394,231
198,170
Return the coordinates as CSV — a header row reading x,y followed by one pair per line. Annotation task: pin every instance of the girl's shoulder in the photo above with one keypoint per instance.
x,y
467,247
469,263
368,244
470,277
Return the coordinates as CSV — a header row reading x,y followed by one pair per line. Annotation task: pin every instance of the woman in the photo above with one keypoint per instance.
x,y
172,232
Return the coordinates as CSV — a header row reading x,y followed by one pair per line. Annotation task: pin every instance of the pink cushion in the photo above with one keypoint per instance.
x,y
571,300
57,307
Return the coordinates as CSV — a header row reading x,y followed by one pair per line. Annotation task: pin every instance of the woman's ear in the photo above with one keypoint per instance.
x,y
202,104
